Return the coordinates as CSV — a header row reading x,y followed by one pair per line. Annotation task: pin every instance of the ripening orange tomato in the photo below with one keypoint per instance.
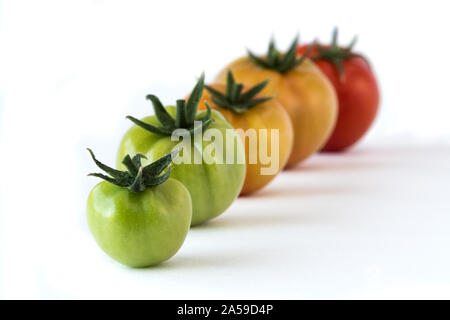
x,y
250,112
300,87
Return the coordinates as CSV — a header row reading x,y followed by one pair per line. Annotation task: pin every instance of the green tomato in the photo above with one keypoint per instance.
x,y
139,229
213,187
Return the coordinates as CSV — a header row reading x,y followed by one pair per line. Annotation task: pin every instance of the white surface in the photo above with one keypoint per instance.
x,y
373,223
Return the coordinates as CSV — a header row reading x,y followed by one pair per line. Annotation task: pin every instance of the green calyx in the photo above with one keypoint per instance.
x,y
334,53
278,61
137,177
185,113
236,100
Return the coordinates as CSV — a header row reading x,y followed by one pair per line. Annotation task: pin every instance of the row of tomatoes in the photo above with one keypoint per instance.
x,y
318,97
325,98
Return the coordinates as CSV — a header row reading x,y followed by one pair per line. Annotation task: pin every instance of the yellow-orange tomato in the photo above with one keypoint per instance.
x,y
267,115
304,92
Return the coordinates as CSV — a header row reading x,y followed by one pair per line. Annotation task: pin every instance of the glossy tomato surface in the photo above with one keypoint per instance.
x,y
268,115
304,92
213,186
358,97
139,229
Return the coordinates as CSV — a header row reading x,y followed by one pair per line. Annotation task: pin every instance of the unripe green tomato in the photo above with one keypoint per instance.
x,y
139,229
213,187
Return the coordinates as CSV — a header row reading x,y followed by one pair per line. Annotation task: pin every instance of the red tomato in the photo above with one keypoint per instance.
x,y
356,88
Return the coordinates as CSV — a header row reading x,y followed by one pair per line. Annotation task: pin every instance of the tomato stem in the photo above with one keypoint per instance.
x,y
233,98
336,54
137,178
184,117
279,62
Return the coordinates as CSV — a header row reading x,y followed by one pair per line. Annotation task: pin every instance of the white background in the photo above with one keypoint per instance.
x,y
372,223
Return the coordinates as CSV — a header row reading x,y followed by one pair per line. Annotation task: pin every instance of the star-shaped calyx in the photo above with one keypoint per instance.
x,y
185,113
281,62
137,178
236,100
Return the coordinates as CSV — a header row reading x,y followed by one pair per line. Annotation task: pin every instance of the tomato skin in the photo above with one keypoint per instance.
x,y
268,115
139,229
304,92
213,187
358,97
